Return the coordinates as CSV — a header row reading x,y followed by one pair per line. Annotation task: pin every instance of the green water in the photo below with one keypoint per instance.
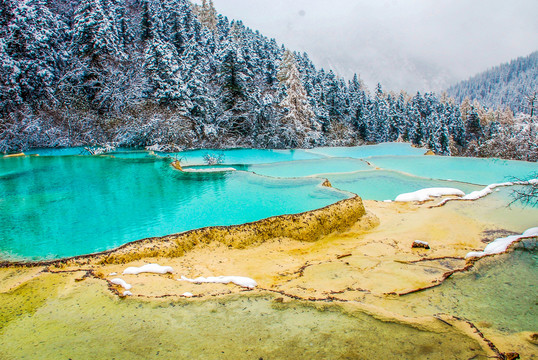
x,y
52,207
500,291
87,323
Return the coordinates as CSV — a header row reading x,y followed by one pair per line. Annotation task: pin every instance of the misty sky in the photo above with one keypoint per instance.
x,y
404,44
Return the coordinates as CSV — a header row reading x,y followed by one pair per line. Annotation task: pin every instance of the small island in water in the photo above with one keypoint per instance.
x,y
176,185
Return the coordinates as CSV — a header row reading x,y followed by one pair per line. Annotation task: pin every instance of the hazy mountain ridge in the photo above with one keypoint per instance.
x,y
506,85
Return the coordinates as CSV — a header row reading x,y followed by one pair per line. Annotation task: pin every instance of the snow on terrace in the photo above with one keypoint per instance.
x,y
500,245
158,269
209,170
428,193
148,268
237,280
122,283
475,195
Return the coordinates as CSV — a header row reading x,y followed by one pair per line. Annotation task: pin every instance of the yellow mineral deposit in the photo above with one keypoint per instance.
x,y
177,165
14,155
353,259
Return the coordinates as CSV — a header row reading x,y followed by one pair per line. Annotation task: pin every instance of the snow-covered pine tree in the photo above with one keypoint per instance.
x,y
234,80
163,67
10,91
6,15
35,45
381,115
299,115
473,126
95,35
357,107
416,131
208,15
96,52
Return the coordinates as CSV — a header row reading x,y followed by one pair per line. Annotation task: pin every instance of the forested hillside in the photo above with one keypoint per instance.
x,y
169,74
507,85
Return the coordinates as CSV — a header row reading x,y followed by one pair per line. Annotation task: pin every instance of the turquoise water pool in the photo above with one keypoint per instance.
x,y
387,184
305,168
473,170
366,151
58,205
52,207
241,156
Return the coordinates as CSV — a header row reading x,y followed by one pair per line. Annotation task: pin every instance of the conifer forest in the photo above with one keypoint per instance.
x,y
169,74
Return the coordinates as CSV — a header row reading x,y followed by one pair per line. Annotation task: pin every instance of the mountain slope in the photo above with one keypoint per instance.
x,y
506,85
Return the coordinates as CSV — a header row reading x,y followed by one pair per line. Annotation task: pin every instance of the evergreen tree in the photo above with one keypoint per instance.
x,y
163,68
234,79
145,71
10,91
34,51
95,35
299,115
473,127
146,21
6,15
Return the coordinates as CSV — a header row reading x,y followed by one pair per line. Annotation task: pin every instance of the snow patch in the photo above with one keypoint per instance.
x,y
485,191
426,194
127,293
209,170
122,283
187,294
148,268
475,195
113,274
500,245
237,280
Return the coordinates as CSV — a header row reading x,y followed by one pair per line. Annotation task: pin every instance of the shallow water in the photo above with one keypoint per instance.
x,y
361,152
387,184
85,322
310,167
241,156
473,170
499,292
53,207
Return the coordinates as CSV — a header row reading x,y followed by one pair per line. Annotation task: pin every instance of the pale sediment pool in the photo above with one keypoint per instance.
x,y
366,151
57,318
498,292
310,167
53,207
387,184
471,170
